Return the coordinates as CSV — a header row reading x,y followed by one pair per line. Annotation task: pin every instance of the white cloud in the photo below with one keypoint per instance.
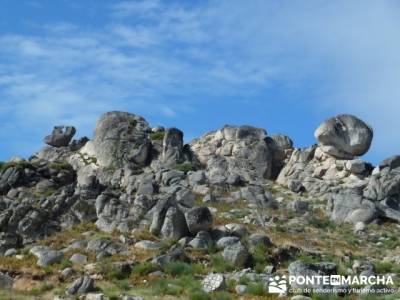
x,y
151,50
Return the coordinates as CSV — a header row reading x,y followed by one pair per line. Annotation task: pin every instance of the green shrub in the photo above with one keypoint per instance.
x,y
255,288
383,267
21,165
260,259
220,265
144,269
124,285
60,166
222,296
307,258
44,287
65,263
166,287
325,223
156,136
184,167
179,268
199,295
115,273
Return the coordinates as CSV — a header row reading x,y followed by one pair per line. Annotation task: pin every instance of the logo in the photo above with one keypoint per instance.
x,y
336,280
277,285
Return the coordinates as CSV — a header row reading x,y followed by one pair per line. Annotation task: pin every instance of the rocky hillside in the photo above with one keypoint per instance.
x,y
135,213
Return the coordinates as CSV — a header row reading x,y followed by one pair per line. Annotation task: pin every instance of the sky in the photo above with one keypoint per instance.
x,y
197,65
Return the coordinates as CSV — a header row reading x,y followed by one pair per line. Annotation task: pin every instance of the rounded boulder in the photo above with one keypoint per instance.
x,y
199,219
344,136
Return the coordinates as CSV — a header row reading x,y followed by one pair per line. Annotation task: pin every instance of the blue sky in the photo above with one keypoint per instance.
x,y
197,65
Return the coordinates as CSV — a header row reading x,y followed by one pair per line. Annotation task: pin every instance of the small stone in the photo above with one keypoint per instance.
x,y
148,245
10,252
238,230
132,298
359,227
296,186
97,296
269,270
213,282
78,258
300,297
67,272
241,289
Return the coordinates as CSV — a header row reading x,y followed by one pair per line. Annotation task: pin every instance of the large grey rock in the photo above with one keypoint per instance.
x,y
392,162
175,253
6,282
226,241
103,245
257,239
299,206
113,213
356,166
385,184
121,139
237,254
299,268
172,147
11,177
199,219
384,190
344,136
174,226
46,256
9,241
350,207
282,141
61,136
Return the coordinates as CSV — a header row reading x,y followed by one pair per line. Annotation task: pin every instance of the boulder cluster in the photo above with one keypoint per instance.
x,y
131,177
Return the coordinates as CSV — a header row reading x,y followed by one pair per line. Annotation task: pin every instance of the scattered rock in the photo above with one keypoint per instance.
x,y
259,239
241,289
213,282
299,206
199,219
46,256
6,282
147,245
236,254
78,258
81,285
96,296
226,241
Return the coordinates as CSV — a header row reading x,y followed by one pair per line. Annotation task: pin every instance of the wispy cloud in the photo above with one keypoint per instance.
x,y
346,52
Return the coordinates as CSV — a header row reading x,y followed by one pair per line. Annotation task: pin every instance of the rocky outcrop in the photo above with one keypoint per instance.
x,y
121,139
243,151
145,190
